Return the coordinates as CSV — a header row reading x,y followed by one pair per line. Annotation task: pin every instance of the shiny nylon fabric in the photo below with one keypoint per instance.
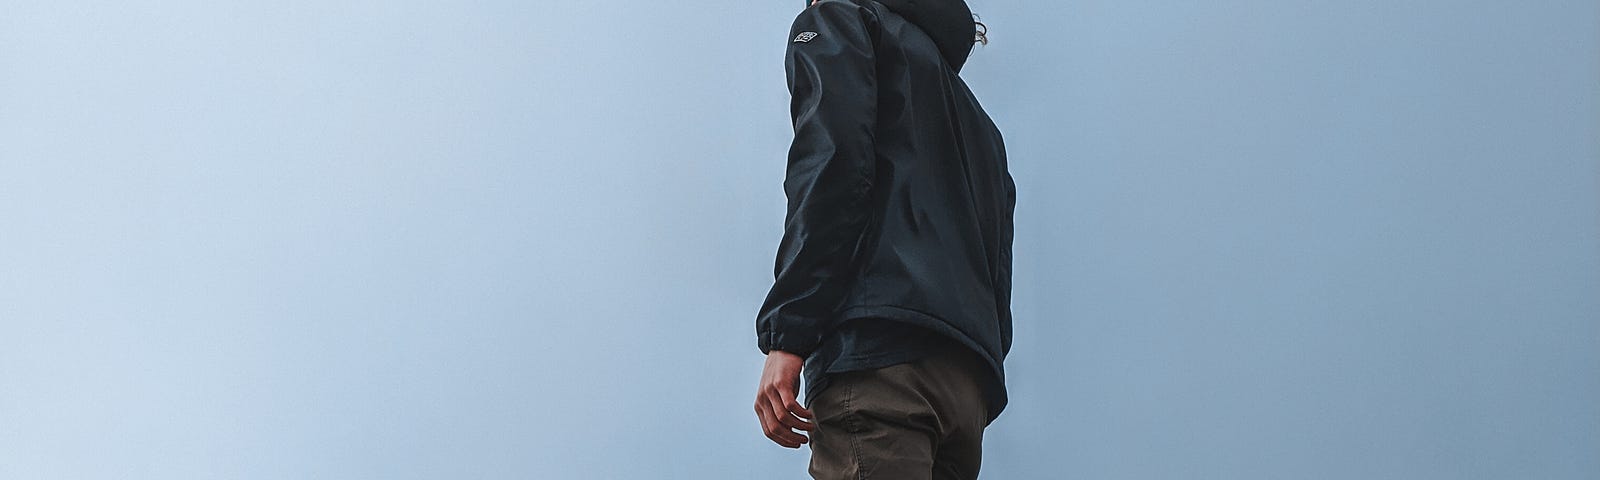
x,y
899,199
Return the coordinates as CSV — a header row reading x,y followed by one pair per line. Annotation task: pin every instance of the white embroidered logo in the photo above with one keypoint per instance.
x,y
804,37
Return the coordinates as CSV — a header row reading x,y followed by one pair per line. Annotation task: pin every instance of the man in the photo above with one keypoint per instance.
x,y
892,283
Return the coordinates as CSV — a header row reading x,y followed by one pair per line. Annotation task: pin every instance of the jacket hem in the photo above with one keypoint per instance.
x,y
938,324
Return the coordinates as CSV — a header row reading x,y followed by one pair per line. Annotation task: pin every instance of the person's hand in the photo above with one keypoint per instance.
x,y
815,2
780,414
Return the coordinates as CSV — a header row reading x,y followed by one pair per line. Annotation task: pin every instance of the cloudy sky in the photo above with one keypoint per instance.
x,y
488,239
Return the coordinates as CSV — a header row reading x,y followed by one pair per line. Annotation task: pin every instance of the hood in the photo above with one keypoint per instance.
x,y
947,22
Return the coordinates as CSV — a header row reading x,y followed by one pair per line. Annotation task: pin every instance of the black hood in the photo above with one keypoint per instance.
x,y
947,22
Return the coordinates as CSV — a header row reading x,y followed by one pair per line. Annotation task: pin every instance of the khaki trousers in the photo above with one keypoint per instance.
x,y
921,420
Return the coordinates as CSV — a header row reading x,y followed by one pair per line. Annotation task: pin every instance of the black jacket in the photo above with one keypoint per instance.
x,y
899,199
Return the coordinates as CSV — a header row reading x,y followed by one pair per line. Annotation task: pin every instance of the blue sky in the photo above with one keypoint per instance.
x,y
489,239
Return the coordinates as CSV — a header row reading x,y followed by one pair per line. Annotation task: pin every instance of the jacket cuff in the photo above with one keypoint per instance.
x,y
801,345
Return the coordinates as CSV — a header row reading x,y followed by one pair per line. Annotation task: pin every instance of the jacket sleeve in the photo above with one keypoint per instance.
x,y
833,105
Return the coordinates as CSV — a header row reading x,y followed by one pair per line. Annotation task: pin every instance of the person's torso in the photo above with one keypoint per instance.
x,y
938,251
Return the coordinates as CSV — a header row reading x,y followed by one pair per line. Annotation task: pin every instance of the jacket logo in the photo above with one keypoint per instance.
x,y
804,37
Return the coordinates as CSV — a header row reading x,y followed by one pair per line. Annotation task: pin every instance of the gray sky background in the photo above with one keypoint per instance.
x,y
488,239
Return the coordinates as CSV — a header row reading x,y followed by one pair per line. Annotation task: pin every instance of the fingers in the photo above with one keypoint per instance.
x,y
796,408
776,399
774,429
786,408
775,404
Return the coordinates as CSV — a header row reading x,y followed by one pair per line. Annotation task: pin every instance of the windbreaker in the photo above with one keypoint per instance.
x,y
900,202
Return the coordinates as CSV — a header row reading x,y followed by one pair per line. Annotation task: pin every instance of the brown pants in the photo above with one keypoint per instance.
x,y
918,420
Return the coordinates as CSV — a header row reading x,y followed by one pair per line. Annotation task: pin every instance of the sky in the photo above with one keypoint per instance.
x,y
488,239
